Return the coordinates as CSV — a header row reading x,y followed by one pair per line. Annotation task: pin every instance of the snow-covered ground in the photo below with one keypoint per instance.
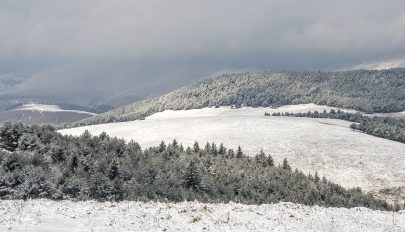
x,y
46,215
243,111
49,108
347,157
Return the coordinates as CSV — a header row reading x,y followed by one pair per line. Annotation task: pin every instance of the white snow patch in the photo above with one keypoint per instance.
x,y
46,215
49,108
347,157
381,65
243,111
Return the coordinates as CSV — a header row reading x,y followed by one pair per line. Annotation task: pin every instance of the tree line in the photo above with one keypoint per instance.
x,y
383,127
38,162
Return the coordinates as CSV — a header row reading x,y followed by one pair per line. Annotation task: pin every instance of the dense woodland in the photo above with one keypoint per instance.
x,y
38,162
384,127
364,90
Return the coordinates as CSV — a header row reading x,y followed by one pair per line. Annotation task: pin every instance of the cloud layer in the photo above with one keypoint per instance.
x,y
292,34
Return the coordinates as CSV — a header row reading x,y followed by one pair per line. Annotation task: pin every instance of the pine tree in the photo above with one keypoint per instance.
x,y
261,158
207,147
317,179
86,135
286,166
214,150
10,134
104,136
196,147
162,147
175,144
270,161
28,142
113,171
222,149
74,163
239,153
189,150
230,153
192,178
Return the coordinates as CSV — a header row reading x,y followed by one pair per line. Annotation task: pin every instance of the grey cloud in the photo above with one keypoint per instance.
x,y
182,28
114,44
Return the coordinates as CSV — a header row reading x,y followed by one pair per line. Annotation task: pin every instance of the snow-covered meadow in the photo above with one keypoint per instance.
x,y
46,215
347,157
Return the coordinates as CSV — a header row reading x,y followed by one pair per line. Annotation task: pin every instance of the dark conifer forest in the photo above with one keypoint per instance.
x,y
38,162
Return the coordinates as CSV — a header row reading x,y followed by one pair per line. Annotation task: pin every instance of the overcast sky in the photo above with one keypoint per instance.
x,y
238,34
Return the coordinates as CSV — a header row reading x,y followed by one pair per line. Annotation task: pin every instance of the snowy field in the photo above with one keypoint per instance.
x,y
329,146
49,216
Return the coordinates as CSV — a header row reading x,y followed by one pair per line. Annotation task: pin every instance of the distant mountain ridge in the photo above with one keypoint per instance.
x,y
42,114
389,64
365,90
98,85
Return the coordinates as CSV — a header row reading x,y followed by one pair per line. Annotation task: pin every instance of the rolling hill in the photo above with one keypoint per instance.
x,y
347,157
365,90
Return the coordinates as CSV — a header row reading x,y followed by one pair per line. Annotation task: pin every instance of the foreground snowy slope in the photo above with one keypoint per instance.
x,y
344,156
45,215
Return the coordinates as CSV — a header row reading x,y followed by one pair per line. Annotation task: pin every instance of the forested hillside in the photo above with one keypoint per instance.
x,y
38,162
384,127
368,91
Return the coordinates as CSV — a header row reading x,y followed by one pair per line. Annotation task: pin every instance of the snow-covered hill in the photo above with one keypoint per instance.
x,y
330,147
46,215
368,91
42,114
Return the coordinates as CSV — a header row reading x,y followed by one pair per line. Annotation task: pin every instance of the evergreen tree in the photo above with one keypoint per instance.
x,y
28,142
162,146
192,178
207,147
317,179
222,149
10,134
239,153
113,170
196,147
270,161
74,164
175,144
230,153
214,150
261,158
104,136
286,166
189,151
